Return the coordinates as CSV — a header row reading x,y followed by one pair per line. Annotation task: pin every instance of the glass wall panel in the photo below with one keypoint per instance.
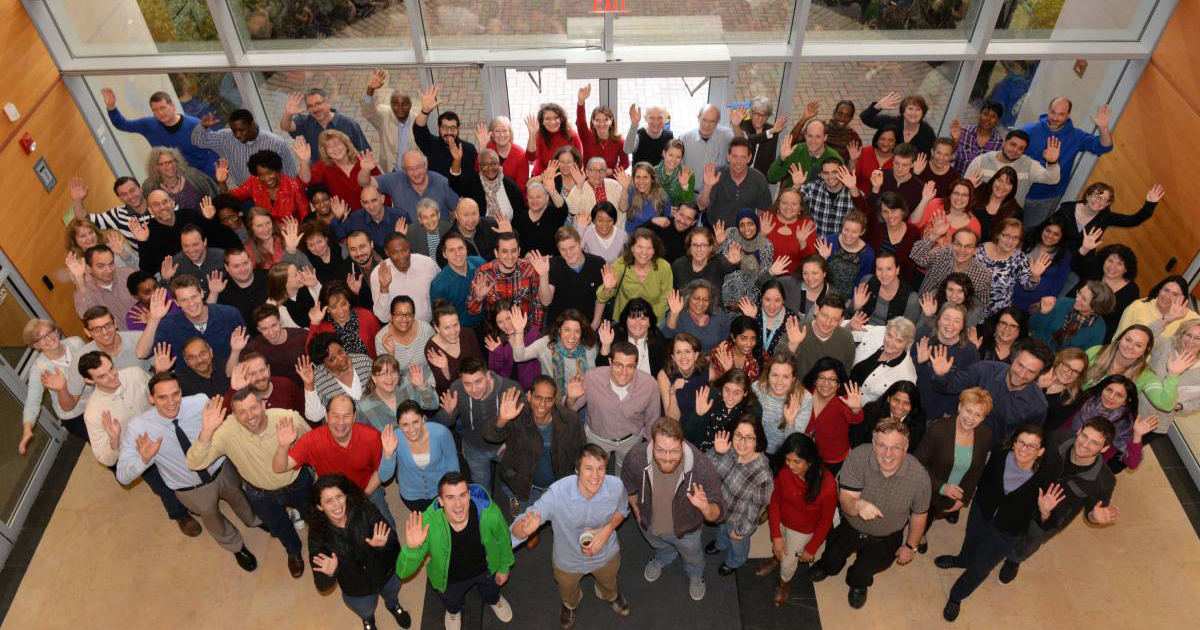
x,y
706,21
1074,20
94,28
321,24
514,24
681,96
196,93
528,90
855,20
462,92
1024,88
758,79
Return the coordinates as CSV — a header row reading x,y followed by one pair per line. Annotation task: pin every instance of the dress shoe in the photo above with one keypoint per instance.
x,y
948,562
403,619
816,573
245,559
189,526
369,623
1008,572
857,597
950,612
725,570
952,517
923,546
533,541
566,619
619,605
296,565
766,567
711,549
782,591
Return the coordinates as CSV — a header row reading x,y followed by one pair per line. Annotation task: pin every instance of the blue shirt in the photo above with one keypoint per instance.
x,y
308,127
158,135
397,186
570,513
1072,140
455,289
176,329
171,458
543,472
361,220
413,481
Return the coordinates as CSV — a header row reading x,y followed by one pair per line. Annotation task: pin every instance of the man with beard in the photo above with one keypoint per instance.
x,y
441,147
276,392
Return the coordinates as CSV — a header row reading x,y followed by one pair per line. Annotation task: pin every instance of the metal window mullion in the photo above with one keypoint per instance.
x,y
1116,90
252,100
791,69
985,24
609,37
967,73
416,25
52,37
227,31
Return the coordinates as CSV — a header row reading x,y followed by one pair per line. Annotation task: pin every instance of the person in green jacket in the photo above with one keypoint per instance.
x,y
468,544
807,155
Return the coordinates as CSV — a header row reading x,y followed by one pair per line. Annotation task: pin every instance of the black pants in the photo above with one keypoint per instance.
x,y
983,548
456,592
874,554
417,505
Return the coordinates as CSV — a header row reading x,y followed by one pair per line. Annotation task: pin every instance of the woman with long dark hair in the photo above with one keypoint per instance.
x,y
1000,334
685,372
836,406
500,339
1046,238
800,512
1167,302
355,327
729,397
1062,384
351,545
1115,265
1115,399
901,401
638,325
549,130
997,200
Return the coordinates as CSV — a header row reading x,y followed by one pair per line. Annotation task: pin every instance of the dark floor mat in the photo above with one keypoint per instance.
x,y
759,613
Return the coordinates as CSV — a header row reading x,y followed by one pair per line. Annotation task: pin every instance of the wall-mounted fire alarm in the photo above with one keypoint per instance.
x,y
28,144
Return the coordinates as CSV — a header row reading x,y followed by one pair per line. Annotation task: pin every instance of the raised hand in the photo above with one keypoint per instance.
x,y
326,564
384,277
766,223
795,331
607,335
291,234
239,339
975,177
848,178
711,176
723,356
703,402
779,266
1091,239
110,98
941,361
455,149
449,400
697,497
1049,499
116,243
928,304
734,253
858,321
791,409
675,302
608,278
929,191
955,130
527,524
415,531
747,307
854,149
213,415
541,263
575,387
719,232
807,229
635,114
481,286
532,125
491,343
483,135
973,336
301,150
623,179
159,306
685,176
780,125
923,350
1103,116
876,180
339,207
438,359
308,277
294,104
891,100
853,397
367,162
1156,193
147,448
207,209
111,427
1180,362
240,377
920,163
510,405
584,93
1142,426
786,146
824,249
377,79
1177,311
168,268
163,361
811,109
429,98
721,442
939,225
389,441
1046,304
1039,266
379,535
519,320
861,295
285,431
78,188
76,266
416,376
304,369
316,315
1052,150
55,381
797,175
139,230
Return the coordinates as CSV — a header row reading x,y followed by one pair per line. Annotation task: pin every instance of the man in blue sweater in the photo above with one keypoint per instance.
x,y
1056,122
166,128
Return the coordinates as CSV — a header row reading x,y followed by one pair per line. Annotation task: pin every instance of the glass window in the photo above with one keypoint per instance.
x,y
322,25
758,79
706,21
195,93
95,28
682,97
528,90
344,89
856,20
1024,88
1074,20
462,92
515,24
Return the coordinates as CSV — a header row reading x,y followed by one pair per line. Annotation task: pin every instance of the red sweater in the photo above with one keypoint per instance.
x,y
368,327
831,430
788,507
613,151
290,200
789,245
545,153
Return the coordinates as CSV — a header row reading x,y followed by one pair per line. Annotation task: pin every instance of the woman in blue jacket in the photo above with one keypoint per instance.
x,y
417,457
1074,322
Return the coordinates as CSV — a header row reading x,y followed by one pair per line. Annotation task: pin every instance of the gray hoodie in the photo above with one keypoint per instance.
x,y
470,417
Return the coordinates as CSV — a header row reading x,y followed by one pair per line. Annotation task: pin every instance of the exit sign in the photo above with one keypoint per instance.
x,y
610,6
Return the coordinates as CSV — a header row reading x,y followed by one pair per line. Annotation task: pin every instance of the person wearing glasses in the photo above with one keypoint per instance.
x,y
959,257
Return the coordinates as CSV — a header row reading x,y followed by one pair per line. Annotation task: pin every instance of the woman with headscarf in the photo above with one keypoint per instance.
x,y
758,254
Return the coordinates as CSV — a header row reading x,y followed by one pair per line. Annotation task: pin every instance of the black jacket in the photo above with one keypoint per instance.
x,y
482,244
467,184
362,569
1083,490
1009,513
523,447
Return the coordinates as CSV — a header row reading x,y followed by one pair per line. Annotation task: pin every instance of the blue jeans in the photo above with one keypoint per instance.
x,y
515,504
668,547
479,463
270,506
739,550
380,501
364,606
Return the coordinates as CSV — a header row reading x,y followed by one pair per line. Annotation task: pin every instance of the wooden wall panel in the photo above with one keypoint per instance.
x,y
1151,146
33,232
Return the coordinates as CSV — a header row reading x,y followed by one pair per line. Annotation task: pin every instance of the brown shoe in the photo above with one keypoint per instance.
x,y
533,541
296,566
189,526
766,567
782,590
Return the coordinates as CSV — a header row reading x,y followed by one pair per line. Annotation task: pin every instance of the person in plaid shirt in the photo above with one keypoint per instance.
x,y
510,277
831,196
975,140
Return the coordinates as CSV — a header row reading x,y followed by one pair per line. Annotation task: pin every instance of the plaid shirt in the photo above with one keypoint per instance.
x,y
939,263
520,286
968,148
747,489
827,209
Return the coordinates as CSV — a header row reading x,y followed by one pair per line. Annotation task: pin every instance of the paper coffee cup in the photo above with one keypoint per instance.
x,y
585,539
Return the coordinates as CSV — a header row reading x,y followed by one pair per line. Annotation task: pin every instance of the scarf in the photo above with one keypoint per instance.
x,y
1074,321
348,334
559,357
599,192
1092,407
496,198
751,251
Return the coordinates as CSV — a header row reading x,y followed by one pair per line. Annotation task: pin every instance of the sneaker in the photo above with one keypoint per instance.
x,y
1008,572
403,619
297,520
502,609
620,606
697,588
711,548
566,619
189,526
652,572
950,612
453,621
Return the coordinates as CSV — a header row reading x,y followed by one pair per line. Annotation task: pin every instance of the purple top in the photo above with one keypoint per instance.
x,y
500,361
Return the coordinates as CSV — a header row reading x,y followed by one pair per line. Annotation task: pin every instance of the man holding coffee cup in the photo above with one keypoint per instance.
x,y
585,510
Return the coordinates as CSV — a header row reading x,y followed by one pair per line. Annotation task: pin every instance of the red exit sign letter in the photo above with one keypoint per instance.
x,y
609,6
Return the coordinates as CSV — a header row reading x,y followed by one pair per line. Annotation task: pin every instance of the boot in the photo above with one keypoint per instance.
x,y
782,590
767,567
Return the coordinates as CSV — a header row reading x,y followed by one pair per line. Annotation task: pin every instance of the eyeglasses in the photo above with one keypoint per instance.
x,y
827,379
1004,324
44,336
103,327
1099,196
738,437
1070,370
668,452
1026,446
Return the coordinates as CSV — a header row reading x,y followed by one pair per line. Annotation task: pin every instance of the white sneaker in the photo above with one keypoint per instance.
x,y
297,520
453,621
503,610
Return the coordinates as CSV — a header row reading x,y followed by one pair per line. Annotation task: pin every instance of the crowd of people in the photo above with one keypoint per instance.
x,y
742,326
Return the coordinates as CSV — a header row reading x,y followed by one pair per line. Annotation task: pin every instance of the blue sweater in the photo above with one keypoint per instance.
x,y
1043,326
1052,283
413,481
456,289
158,136
1073,141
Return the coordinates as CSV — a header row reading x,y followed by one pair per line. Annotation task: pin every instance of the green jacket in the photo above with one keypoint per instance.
x,y
497,541
809,164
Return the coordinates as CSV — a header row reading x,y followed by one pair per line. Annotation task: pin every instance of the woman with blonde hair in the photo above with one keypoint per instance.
x,y
51,368
954,451
170,172
83,235
1185,341
783,399
336,166
1129,355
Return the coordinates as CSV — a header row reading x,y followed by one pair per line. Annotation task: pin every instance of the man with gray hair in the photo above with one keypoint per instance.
x,y
320,117
647,144
412,182
706,144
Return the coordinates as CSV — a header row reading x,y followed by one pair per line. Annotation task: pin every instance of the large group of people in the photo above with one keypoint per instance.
x,y
738,326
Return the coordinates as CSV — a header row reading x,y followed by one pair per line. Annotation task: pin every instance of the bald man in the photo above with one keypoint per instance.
x,y
648,143
708,143
1056,122
413,182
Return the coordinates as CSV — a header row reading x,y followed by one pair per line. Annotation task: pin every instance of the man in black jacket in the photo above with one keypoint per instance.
x,y
475,184
159,237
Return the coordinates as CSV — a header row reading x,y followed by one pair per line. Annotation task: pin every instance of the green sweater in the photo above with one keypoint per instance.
x,y
780,168
492,528
1161,392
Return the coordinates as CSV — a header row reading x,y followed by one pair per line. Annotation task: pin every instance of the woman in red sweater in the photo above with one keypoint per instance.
x,y
547,132
355,327
789,229
832,411
599,136
499,138
800,512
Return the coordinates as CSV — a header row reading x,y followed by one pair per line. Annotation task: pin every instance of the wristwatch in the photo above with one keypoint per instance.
x,y
909,546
